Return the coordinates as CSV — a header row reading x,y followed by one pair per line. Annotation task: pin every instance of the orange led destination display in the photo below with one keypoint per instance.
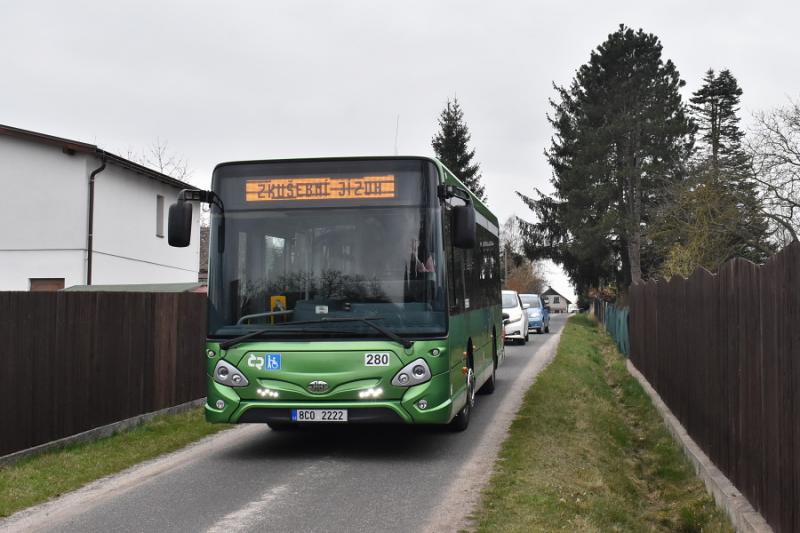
x,y
320,188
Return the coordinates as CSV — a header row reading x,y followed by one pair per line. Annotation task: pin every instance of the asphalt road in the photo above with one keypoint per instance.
x,y
355,478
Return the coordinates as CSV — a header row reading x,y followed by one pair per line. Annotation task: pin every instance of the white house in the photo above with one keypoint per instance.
x,y
557,302
73,214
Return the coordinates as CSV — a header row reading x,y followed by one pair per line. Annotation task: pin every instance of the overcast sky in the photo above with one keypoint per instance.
x,y
252,80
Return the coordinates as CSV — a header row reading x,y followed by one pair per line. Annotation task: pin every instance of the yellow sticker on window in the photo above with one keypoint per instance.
x,y
322,188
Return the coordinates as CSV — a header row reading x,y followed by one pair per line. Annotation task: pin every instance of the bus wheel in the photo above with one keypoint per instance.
x,y
461,420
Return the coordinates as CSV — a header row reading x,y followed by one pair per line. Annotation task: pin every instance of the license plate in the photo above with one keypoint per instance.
x,y
319,415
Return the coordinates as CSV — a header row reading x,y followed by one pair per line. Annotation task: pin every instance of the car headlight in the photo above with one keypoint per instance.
x,y
227,374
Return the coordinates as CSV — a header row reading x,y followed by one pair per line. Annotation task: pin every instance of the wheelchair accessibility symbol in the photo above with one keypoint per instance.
x,y
272,361
269,361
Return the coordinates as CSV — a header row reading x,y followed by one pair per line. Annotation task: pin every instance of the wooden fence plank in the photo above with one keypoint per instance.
x,y
723,351
82,360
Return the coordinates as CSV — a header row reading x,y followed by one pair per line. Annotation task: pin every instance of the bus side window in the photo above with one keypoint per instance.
x,y
458,279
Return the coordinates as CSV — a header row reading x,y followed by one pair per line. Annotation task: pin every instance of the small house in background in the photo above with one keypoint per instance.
x,y
557,302
74,214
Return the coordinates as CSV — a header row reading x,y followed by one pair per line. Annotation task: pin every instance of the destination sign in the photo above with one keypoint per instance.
x,y
320,188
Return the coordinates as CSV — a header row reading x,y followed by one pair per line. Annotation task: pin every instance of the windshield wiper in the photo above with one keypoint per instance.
x,y
225,345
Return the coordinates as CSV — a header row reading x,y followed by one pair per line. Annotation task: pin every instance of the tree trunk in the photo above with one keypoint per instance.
x,y
635,211
624,275
634,254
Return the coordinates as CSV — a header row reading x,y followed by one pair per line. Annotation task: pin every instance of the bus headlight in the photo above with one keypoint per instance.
x,y
370,393
227,374
413,373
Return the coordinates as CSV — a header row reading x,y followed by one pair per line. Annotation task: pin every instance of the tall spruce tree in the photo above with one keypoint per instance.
x,y
714,109
717,213
450,147
621,133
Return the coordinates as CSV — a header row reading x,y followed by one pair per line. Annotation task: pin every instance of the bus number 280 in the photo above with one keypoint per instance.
x,y
376,359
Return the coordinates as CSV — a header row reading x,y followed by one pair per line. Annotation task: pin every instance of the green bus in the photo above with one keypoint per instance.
x,y
347,290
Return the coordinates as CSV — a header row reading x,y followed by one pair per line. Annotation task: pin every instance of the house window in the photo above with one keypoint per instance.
x,y
46,284
556,300
159,216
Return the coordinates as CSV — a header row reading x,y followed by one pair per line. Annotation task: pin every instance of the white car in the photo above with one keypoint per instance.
x,y
516,325
572,309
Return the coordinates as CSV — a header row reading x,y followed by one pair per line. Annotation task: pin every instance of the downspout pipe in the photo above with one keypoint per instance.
x,y
90,228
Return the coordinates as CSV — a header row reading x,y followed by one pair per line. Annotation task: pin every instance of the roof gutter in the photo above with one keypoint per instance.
x,y
90,228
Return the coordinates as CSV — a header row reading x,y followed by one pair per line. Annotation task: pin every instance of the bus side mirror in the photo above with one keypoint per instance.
x,y
179,226
464,226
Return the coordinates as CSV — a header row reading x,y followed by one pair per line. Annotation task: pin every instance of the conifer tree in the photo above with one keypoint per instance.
x,y
621,133
714,109
451,148
717,213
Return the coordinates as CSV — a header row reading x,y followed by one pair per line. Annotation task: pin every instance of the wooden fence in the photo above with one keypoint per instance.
x,y
723,351
75,361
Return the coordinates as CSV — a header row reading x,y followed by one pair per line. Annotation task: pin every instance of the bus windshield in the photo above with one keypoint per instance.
x,y
310,264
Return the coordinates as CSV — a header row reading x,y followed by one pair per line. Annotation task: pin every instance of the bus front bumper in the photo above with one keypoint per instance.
x,y
223,405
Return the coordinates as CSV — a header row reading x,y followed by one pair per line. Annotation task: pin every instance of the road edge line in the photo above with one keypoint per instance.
x,y
463,496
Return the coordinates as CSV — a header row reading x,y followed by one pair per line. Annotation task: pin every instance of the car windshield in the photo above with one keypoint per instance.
x,y
531,299
509,300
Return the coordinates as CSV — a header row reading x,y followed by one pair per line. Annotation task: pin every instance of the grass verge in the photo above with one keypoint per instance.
x,y
39,478
589,452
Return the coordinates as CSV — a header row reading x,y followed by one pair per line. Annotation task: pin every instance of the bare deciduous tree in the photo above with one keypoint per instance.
x,y
158,157
520,273
774,146
527,278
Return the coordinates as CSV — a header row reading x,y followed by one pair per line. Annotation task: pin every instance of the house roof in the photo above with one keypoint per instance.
x,y
140,287
69,146
552,292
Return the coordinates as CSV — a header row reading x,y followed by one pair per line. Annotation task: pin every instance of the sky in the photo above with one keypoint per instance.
x,y
226,81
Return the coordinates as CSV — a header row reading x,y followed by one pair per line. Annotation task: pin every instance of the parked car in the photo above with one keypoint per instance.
x,y
538,313
573,309
514,318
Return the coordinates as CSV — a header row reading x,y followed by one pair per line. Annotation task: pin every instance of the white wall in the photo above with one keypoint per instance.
x,y
126,247
42,213
109,270
16,268
44,220
47,190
